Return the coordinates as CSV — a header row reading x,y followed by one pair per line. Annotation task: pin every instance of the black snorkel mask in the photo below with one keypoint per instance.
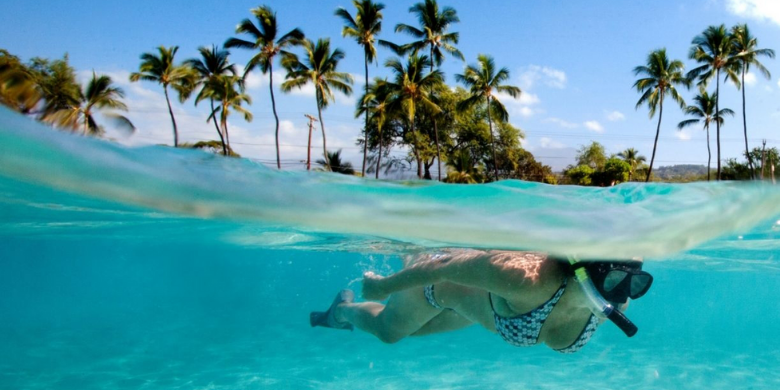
x,y
607,284
618,281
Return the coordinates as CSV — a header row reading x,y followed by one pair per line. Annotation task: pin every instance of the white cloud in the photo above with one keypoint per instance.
x,y
778,83
545,142
594,126
562,123
526,112
338,97
520,106
682,135
254,81
550,77
615,116
756,9
527,98
750,79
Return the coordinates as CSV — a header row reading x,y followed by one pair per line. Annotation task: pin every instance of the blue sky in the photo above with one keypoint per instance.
x,y
572,59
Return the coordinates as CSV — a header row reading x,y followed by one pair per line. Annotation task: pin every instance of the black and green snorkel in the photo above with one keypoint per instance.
x,y
598,305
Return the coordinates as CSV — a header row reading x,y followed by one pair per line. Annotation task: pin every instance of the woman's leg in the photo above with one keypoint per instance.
x,y
447,321
405,313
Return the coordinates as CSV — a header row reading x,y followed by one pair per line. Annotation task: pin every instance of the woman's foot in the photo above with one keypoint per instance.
x,y
328,319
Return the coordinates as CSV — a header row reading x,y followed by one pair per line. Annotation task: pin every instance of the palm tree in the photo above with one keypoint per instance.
x,y
318,68
433,35
746,55
411,87
334,164
713,49
376,104
364,28
99,95
484,83
213,63
18,90
463,170
161,69
264,39
660,77
632,157
227,90
704,112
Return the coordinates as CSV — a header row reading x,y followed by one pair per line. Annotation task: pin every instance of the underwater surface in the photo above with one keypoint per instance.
x,y
156,268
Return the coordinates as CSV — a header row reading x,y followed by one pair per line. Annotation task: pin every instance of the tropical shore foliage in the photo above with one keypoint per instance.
x,y
467,129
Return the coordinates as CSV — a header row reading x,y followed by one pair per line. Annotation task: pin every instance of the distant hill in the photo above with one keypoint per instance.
x,y
679,172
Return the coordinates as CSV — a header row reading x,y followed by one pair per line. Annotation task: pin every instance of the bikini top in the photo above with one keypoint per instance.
x,y
523,330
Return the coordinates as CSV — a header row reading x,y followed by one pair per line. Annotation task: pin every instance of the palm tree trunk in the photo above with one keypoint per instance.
x,y
492,140
324,141
717,110
170,111
225,129
744,123
417,151
709,153
379,156
224,126
657,132
435,126
308,149
273,107
365,129
221,137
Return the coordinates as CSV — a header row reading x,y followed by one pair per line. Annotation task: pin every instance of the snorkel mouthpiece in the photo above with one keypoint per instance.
x,y
599,306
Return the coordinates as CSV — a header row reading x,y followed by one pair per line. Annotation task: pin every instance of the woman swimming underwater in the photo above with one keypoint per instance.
x,y
526,297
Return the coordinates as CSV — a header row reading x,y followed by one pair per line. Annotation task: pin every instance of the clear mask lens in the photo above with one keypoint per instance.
x,y
613,279
639,285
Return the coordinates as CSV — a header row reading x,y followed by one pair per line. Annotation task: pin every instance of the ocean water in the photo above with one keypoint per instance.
x,y
156,268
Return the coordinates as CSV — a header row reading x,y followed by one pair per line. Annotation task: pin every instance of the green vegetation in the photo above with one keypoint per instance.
x,y
594,168
634,160
433,36
212,65
465,128
161,69
319,68
210,146
335,164
268,47
228,91
366,25
714,49
704,112
98,95
746,55
661,75
483,81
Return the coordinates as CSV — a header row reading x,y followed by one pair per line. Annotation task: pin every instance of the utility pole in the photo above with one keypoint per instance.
x,y
308,149
763,157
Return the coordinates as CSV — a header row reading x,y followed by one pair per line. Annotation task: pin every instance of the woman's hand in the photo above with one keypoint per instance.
x,y
372,287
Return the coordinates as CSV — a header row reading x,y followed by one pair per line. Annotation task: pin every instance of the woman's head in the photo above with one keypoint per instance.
x,y
617,281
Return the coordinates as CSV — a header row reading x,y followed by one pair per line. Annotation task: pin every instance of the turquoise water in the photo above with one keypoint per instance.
x,y
156,268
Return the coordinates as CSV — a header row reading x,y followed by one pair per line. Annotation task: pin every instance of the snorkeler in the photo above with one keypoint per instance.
x,y
526,297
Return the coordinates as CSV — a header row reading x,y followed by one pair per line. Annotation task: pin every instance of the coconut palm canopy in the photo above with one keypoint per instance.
x,y
99,96
659,78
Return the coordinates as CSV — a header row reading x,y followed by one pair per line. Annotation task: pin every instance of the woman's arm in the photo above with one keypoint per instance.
x,y
498,272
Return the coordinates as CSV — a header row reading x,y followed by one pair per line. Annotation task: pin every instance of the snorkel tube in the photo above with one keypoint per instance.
x,y
598,305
